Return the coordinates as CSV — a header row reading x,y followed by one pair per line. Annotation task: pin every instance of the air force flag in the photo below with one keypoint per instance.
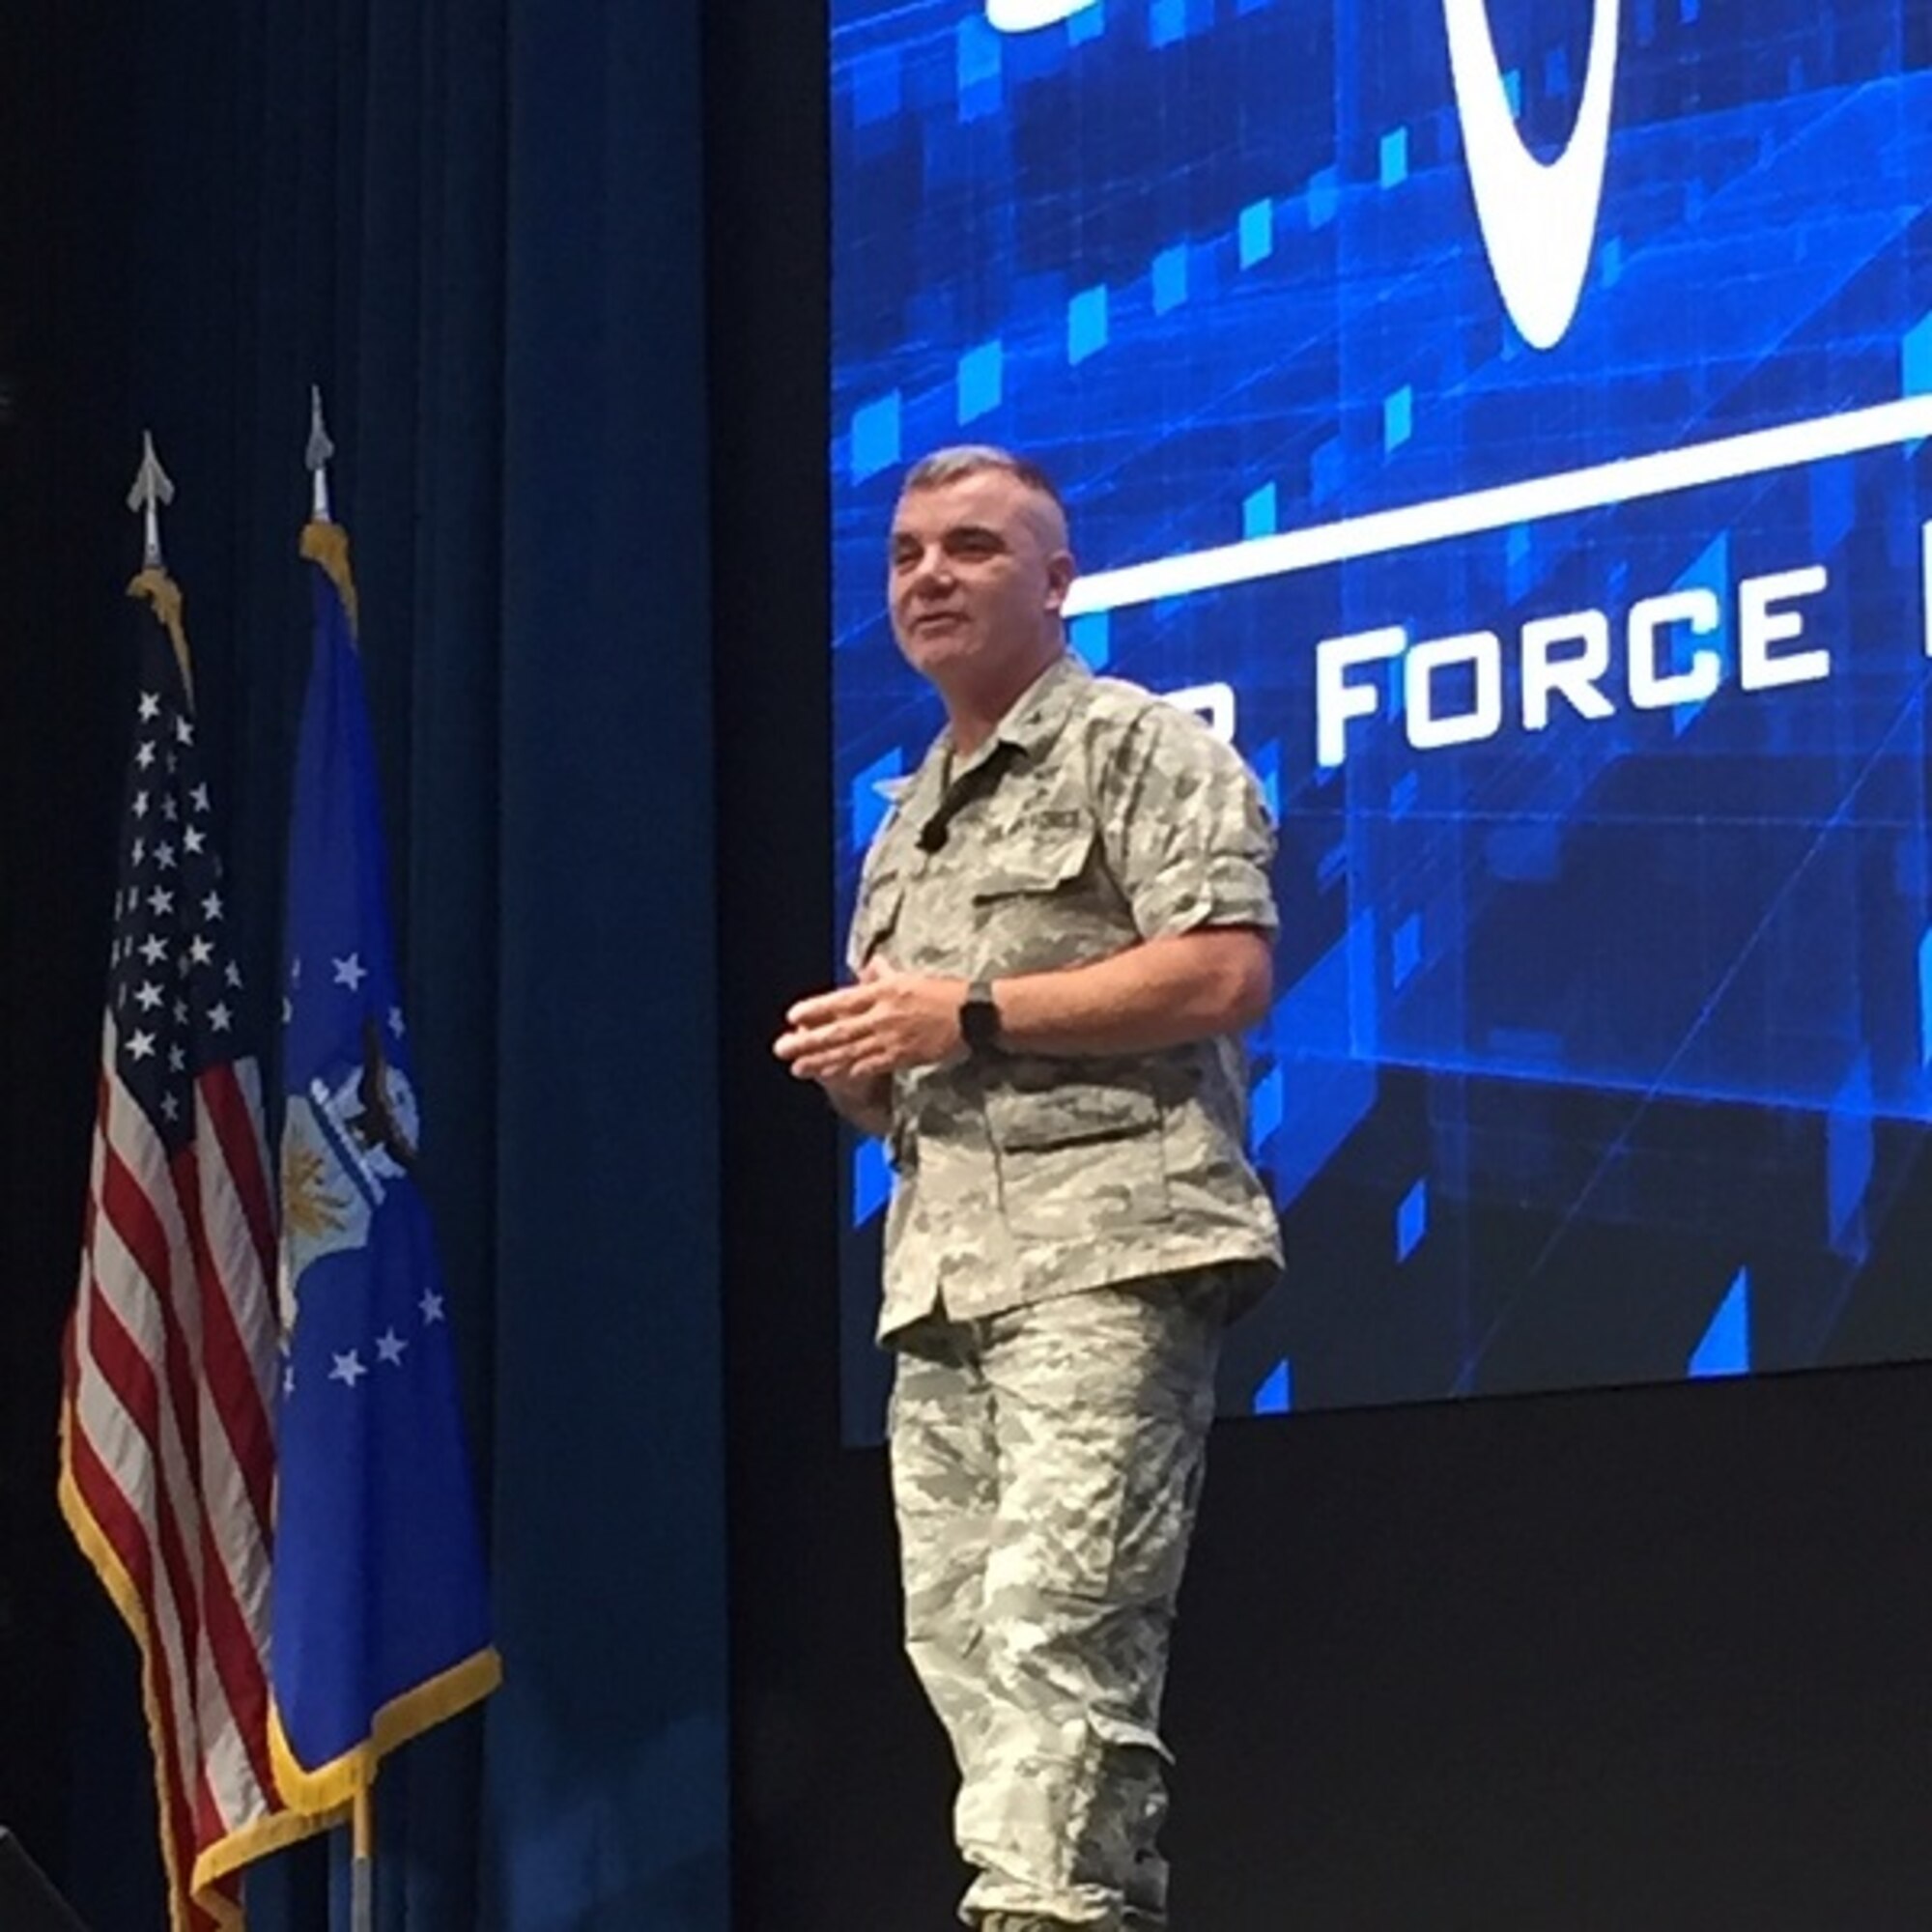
x,y
380,1622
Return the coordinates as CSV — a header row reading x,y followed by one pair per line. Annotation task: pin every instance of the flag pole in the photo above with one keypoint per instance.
x,y
363,1867
362,1816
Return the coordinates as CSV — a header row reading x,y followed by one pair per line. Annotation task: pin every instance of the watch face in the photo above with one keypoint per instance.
x,y
979,1021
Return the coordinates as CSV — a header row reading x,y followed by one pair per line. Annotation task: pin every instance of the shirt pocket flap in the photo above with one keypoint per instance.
x,y
1068,1115
874,917
1040,861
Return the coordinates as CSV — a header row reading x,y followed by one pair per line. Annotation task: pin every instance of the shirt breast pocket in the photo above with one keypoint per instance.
x,y
1041,902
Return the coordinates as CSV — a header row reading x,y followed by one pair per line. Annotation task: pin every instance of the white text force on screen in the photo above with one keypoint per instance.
x,y
1451,688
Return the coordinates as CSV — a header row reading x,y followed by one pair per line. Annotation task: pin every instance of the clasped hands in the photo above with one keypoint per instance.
x,y
890,1021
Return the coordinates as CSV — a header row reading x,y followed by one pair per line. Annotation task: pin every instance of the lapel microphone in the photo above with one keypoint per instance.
x,y
933,834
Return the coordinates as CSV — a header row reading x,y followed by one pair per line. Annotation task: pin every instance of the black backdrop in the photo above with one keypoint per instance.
x,y
1647,1659
56,825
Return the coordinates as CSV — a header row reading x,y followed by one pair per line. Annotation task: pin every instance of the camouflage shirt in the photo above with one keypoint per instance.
x,y
1096,815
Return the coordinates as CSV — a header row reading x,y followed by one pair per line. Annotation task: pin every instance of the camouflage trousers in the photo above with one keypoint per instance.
x,y
1046,1470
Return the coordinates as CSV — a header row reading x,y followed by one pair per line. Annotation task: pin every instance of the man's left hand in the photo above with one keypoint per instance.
x,y
889,1022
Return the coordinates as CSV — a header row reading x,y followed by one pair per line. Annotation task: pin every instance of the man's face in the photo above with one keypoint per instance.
x,y
978,570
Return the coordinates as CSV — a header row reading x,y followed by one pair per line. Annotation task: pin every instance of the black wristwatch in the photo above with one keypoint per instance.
x,y
979,1019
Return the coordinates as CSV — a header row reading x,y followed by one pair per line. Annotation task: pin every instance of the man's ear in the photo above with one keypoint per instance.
x,y
1061,571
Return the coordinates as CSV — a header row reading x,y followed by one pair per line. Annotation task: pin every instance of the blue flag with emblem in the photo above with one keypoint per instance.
x,y
380,1617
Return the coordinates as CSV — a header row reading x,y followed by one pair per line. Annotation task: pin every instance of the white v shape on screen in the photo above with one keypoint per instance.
x,y
1539,218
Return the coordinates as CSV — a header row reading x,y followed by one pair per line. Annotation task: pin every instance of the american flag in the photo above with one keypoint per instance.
x,y
168,1457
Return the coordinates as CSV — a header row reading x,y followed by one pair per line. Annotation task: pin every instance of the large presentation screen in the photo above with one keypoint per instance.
x,y
1505,420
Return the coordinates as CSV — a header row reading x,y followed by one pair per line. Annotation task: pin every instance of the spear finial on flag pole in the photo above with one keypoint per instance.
x,y
319,450
152,488
325,541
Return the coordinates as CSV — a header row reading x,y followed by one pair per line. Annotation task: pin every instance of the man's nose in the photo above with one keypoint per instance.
x,y
934,571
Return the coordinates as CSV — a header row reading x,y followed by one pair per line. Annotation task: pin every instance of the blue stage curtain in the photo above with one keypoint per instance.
x,y
477,224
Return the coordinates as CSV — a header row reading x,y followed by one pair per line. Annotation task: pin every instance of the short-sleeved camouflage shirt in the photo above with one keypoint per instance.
x,y
1095,816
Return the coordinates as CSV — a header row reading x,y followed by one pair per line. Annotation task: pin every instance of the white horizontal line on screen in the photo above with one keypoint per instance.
x,y
1627,480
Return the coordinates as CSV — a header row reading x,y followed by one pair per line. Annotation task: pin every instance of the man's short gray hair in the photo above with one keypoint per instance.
x,y
970,458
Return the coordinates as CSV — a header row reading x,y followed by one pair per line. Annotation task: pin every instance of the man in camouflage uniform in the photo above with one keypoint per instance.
x,y
1062,929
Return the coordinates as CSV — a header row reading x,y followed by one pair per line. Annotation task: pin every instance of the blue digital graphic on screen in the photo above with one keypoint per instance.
x,y
1507,424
